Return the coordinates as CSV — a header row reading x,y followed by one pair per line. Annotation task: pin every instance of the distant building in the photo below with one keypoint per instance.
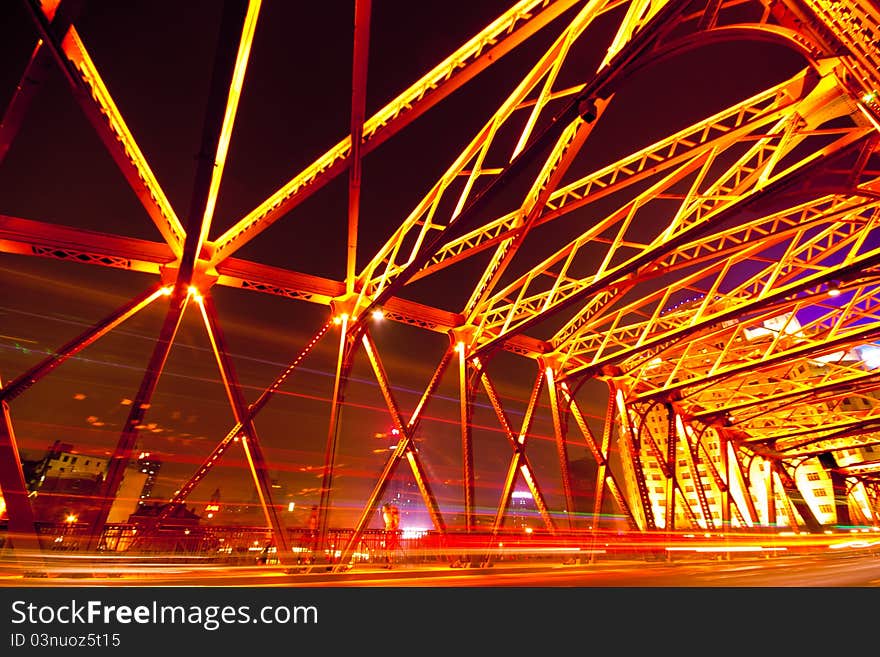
x,y
148,465
65,485
212,508
523,512
180,516
403,493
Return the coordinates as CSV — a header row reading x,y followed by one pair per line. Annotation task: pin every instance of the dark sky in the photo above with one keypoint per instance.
x,y
155,57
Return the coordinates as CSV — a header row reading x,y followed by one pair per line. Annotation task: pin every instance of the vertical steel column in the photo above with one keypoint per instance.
x,y
770,491
343,366
671,468
725,487
467,453
561,446
237,24
358,102
90,93
249,440
21,531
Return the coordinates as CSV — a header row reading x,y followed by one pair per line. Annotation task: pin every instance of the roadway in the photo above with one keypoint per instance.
x,y
832,569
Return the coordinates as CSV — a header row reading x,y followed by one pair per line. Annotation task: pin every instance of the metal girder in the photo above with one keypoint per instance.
x,y
838,487
90,91
24,381
385,275
348,342
738,121
125,446
517,458
405,448
409,427
561,445
466,392
60,16
613,338
693,460
232,435
525,467
358,102
35,238
605,475
632,460
219,114
248,438
669,464
22,529
795,498
785,182
509,30
236,29
501,315
735,473
821,345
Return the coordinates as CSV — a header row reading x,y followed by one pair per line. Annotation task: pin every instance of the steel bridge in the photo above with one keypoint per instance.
x,y
717,283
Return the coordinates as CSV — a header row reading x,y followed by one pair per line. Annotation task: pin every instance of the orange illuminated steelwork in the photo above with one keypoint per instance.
x,y
720,288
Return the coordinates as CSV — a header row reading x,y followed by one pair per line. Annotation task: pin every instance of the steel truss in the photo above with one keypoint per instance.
x,y
726,333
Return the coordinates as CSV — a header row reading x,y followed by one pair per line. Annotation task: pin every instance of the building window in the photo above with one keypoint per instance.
x,y
820,492
64,458
813,476
825,508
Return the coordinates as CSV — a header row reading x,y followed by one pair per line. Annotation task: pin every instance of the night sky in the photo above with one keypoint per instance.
x,y
155,58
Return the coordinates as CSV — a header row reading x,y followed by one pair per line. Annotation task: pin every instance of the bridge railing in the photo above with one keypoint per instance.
x,y
248,546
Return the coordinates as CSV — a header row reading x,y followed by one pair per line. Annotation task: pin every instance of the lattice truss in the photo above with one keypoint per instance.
x,y
721,280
